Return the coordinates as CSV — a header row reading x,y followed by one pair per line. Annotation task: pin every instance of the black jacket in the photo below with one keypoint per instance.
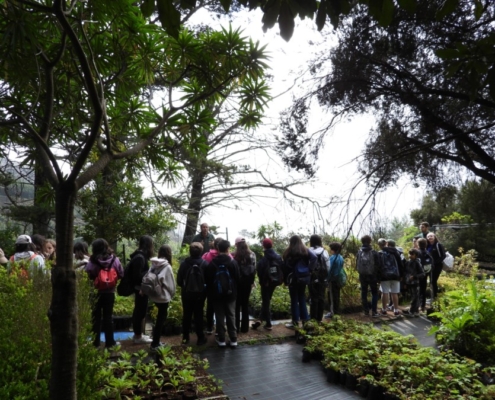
x,y
400,263
185,266
264,264
138,267
437,252
211,270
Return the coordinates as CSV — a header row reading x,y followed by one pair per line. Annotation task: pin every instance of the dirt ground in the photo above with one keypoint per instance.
x,y
279,332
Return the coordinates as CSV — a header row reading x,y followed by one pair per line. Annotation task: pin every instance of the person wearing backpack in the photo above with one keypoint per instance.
x,y
137,268
427,263
413,273
438,254
222,278
391,272
104,269
208,257
159,286
25,257
246,260
319,279
270,275
299,261
191,279
336,264
368,264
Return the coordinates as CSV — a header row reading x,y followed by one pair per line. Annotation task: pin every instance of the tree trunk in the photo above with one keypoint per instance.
x,y
63,310
42,214
194,207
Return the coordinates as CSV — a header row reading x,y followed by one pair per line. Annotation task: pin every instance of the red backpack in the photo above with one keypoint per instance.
x,y
107,277
23,271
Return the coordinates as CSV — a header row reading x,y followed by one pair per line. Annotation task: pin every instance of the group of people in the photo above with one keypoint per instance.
x,y
388,271
222,279
31,251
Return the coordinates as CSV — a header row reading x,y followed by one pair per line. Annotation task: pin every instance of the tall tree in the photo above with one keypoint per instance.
x,y
429,124
71,74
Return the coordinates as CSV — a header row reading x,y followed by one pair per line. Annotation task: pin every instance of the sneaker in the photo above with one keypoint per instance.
x,y
267,327
256,325
291,325
390,308
233,345
383,312
397,313
416,315
328,315
220,343
201,341
209,331
407,311
155,348
375,315
143,339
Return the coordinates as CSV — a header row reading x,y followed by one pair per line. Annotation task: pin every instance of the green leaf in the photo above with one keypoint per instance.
x,y
286,22
448,7
169,17
478,9
387,13
147,8
447,54
408,5
187,4
321,15
270,14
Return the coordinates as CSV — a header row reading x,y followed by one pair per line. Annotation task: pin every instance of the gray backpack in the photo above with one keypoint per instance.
x,y
366,262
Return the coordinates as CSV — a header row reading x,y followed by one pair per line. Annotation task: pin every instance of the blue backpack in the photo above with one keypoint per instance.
x,y
223,281
302,272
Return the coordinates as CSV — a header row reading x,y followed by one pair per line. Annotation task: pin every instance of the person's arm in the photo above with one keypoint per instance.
x,y
118,267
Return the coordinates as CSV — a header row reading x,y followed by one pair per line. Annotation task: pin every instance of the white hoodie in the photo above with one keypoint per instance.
x,y
34,262
162,268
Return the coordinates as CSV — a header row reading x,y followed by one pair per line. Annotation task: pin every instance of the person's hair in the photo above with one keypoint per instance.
x,y
366,240
296,248
146,246
422,243
100,250
336,246
80,250
22,247
195,249
381,242
203,224
434,236
39,242
216,242
425,224
223,246
242,252
391,243
415,252
315,241
165,251
54,245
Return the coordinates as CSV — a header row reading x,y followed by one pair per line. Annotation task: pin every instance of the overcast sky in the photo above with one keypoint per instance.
x,y
337,172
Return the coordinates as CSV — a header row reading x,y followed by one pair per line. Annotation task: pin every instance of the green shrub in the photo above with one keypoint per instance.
x,y
26,356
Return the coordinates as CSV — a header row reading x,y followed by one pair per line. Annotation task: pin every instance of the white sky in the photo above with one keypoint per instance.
x,y
337,172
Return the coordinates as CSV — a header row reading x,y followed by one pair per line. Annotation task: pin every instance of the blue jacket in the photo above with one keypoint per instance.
x,y
336,263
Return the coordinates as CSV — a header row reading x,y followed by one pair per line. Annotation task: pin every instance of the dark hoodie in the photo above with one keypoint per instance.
x,y
211,270
138,267
264,264
185,266
396,254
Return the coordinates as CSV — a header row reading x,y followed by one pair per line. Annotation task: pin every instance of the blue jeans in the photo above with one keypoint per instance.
x,y
298,308
372,283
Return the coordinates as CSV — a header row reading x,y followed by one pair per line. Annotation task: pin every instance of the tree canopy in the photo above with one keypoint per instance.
x,y
428,124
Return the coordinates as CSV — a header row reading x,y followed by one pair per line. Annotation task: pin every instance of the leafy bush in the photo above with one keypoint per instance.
x,y
27,354
467,319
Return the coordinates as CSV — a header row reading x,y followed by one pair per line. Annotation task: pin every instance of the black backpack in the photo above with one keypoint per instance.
x,y
194,281
366,262
320,272
246,267
390,269
125,287
274,273
222,283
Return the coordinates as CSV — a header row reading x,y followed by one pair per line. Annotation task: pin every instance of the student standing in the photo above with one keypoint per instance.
x,y
102,257
336,263
414,272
